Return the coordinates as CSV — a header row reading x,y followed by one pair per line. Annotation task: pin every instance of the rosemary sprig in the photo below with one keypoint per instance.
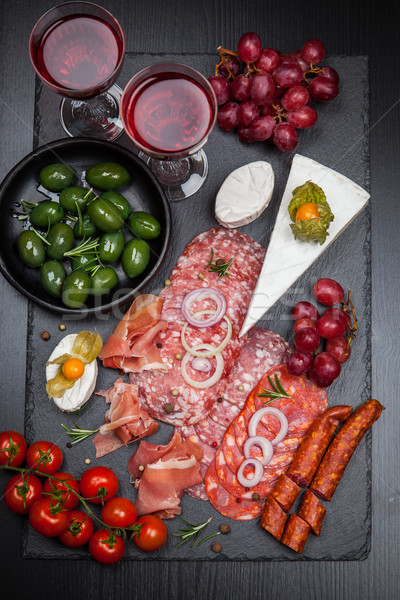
x,y
193,533
86,246
219,266
276,392
42,237
26,205
77,434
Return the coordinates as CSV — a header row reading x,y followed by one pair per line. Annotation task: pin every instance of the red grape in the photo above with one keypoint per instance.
x,y
221,89
303,117
327,366
329,326
248,111
305,309
228,116
268,109
337,313
330,73
232,63
285,137
328,292
261,128
262,88
302,323
339,347
244,134
295,97
288,75
313,51
303,64
299,362
249,47
268,61
318,379
279,91
323,88
288,59
306,340
240,87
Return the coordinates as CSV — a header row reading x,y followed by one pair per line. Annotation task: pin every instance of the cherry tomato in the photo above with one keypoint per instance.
x,y
48,517
60,492
119,512
152,535
73,368
45,457
79,530
21,492
12,448
98,483
307,211
106,548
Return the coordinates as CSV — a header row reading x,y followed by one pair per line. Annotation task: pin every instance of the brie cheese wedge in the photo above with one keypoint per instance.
x,y
244,194
83,387
287,259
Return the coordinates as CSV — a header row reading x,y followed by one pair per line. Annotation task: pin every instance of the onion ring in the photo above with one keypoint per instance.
x,y
200,294
265,446
258,472
258,415
201,385
201,364
215,350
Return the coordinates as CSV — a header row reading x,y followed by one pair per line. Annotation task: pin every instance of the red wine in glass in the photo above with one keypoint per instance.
x,y
77,49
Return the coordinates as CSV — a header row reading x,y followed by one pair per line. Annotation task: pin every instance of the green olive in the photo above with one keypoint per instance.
x,y
144,225
57,176
119,201
105,215
76,289
74,195
103,281
86,229
83,261
107,176
111,246
61,238
135,257
31,248
45,213
52,276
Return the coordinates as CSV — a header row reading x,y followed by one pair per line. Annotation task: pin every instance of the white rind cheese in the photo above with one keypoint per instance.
x,y
83,388
287,259
245,194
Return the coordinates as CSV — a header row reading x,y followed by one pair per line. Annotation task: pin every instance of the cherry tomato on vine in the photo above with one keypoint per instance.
x,y
21,492
79,531
12,448
106,548
73,368
307,211
45,457
119,512
98,483
48,517
152,535
61,492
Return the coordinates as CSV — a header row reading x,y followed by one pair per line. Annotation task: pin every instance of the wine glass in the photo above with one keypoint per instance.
x,y
168,111
77,49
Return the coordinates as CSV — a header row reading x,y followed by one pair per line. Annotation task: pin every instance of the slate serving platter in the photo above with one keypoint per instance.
x,y
338,140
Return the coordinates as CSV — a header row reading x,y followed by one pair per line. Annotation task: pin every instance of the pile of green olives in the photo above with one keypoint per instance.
x,y
75,241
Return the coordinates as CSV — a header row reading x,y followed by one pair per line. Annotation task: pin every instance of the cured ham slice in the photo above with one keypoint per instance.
x,y
125,421
162,482
131,347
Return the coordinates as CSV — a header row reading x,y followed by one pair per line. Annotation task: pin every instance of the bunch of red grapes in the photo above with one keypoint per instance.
x,y
333,325
266,94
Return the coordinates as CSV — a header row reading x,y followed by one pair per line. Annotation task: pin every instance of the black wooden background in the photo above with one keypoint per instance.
x,y
348,28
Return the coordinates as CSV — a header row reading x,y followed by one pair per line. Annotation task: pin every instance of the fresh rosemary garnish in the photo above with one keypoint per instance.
x,y
42,237
194,533
276,392
77,433
219,266
86,246
26,205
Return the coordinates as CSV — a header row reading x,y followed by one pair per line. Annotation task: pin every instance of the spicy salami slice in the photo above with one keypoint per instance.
x,y
296,533
285,493
312,510
273,518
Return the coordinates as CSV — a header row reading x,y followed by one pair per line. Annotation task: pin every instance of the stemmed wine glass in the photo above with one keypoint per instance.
x,y
77,49
168,111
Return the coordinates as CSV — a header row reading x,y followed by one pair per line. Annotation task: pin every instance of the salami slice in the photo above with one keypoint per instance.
x,y
221,234
273,518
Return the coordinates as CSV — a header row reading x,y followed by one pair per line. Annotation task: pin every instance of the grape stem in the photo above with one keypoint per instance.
x,y
349,307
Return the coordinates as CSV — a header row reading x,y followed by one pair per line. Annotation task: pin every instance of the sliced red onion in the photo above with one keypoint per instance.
x,y
214,350
201,364
263,443
269,410
201,294
201,385
258,472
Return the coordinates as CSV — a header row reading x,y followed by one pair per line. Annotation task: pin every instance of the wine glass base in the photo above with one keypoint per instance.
x,y
179,178
96,117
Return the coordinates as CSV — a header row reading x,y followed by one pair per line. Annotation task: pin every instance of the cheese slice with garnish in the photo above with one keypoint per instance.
x,y
244,194
286,258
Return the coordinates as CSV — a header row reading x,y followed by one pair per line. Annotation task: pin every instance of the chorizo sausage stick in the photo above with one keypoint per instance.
x,y
341,449
314,444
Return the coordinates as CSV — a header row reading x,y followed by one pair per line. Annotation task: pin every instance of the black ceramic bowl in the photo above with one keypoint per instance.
x,y
143,193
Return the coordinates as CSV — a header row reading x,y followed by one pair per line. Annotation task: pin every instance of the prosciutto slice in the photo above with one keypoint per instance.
x,y
163,481
131,347
125,421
